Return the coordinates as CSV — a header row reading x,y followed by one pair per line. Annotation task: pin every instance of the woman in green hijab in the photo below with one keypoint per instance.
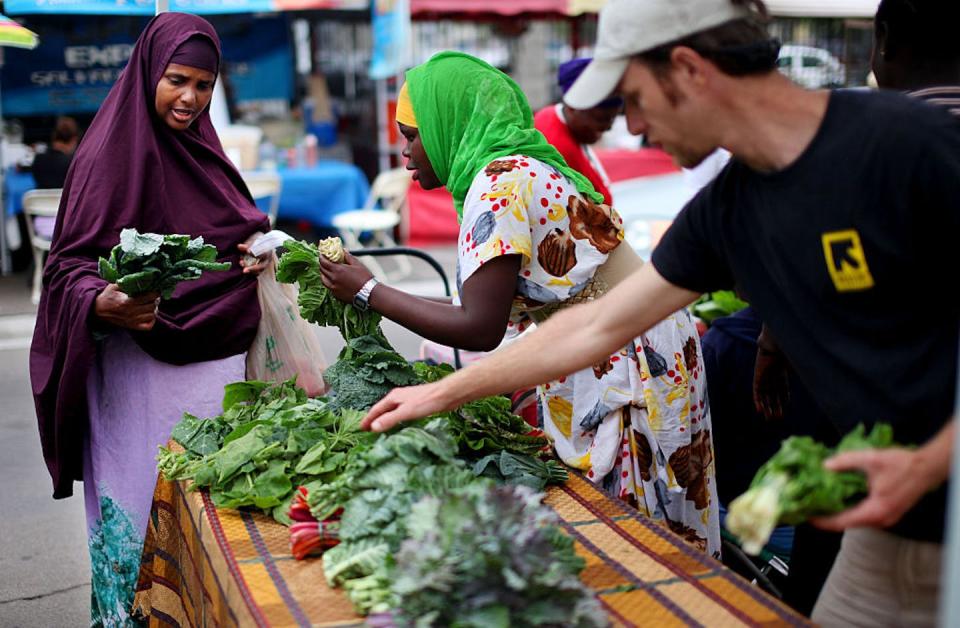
x,y
535,237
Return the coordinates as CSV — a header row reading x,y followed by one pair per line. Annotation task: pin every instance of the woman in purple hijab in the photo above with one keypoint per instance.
x,y
150,160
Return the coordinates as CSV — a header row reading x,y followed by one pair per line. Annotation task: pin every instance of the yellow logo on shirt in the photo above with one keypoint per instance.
x,y
846,261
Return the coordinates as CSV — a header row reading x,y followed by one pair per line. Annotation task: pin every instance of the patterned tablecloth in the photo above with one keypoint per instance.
x,y
208,567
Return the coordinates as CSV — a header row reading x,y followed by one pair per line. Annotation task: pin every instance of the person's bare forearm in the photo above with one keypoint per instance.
x,y
444,300
572,339
440,322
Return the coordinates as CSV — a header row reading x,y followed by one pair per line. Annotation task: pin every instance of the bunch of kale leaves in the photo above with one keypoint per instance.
x,y
301,265
150,262
496,441
377,493
485,556
365,371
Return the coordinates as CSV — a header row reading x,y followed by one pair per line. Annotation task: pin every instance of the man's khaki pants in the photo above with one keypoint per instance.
x,y
880,579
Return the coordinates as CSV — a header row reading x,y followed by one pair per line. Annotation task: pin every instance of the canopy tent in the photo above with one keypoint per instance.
x,y
149,7
421,9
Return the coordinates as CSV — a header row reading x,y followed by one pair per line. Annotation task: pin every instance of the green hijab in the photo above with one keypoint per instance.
x,y
469,114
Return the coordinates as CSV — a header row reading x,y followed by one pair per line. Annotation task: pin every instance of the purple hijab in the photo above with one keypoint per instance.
x,y
132,170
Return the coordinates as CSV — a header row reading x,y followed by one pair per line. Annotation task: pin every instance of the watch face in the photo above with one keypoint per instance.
x,y
360,302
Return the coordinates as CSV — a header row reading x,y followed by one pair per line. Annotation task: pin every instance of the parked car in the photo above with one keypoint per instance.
x,y
811,67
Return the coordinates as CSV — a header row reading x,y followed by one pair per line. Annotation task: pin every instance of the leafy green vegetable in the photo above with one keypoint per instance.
x,y
713,305
375,492
366,370
487,426
793,486
269,440
520,469
489,557
301,265
430,373
150,262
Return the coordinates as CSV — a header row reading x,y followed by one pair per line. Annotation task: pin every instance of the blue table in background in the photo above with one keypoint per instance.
x,y
314,194
15,185
319,193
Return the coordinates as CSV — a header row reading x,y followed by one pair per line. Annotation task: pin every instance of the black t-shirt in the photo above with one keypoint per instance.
x,y
50,168
850,257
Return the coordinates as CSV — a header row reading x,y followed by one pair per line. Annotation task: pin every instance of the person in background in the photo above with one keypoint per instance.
x,y
50,167
112,374
744,438
535,239
834,204
915,50
573,131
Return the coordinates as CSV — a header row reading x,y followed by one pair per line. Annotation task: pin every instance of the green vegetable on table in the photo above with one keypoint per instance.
x,y
488,426
794,486
150,262
489,557
376,492
365,371
301,265
270,440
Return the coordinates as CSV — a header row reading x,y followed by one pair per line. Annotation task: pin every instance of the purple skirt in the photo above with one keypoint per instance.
x,y
134,402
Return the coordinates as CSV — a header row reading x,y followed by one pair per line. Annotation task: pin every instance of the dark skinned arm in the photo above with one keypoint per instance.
x,y
478,324
771,377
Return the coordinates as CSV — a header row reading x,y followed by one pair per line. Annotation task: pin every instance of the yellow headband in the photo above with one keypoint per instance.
x,y
405,114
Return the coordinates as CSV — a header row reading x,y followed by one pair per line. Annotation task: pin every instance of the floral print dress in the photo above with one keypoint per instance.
x,y
637,422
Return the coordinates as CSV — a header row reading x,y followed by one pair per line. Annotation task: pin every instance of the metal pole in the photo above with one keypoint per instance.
x,y
4,252
383,137
162,6
950,580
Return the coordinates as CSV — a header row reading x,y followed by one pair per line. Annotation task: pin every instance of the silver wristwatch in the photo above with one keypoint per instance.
x,y
362,299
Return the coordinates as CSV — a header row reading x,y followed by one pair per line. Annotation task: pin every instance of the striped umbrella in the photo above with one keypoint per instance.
x,y
12,34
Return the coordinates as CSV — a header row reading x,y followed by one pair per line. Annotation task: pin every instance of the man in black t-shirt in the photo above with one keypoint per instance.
x,y
50,168
836,217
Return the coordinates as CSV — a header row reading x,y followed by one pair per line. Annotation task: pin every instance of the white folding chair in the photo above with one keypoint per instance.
x,y
40,204
264,184
389,190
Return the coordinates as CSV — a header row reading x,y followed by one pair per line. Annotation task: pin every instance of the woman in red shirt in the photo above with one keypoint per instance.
x,y
572,131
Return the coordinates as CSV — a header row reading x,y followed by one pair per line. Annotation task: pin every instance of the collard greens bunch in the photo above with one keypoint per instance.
x,y
150,262
365,371
301,265
793,486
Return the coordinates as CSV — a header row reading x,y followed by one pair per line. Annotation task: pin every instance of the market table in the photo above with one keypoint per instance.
x,y
317,194
15,185
204,566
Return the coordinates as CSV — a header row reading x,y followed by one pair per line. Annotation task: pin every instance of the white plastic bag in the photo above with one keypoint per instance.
x,y
286,345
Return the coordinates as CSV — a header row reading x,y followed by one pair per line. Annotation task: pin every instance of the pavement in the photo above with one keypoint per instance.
x,y
43,544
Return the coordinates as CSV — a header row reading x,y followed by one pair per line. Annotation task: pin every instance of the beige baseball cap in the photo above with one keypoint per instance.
x,y
629,27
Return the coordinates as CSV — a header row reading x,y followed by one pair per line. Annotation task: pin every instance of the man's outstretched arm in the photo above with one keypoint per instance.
x,y
569,341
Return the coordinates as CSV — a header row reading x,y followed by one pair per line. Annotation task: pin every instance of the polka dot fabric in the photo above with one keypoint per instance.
x,y
637,422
